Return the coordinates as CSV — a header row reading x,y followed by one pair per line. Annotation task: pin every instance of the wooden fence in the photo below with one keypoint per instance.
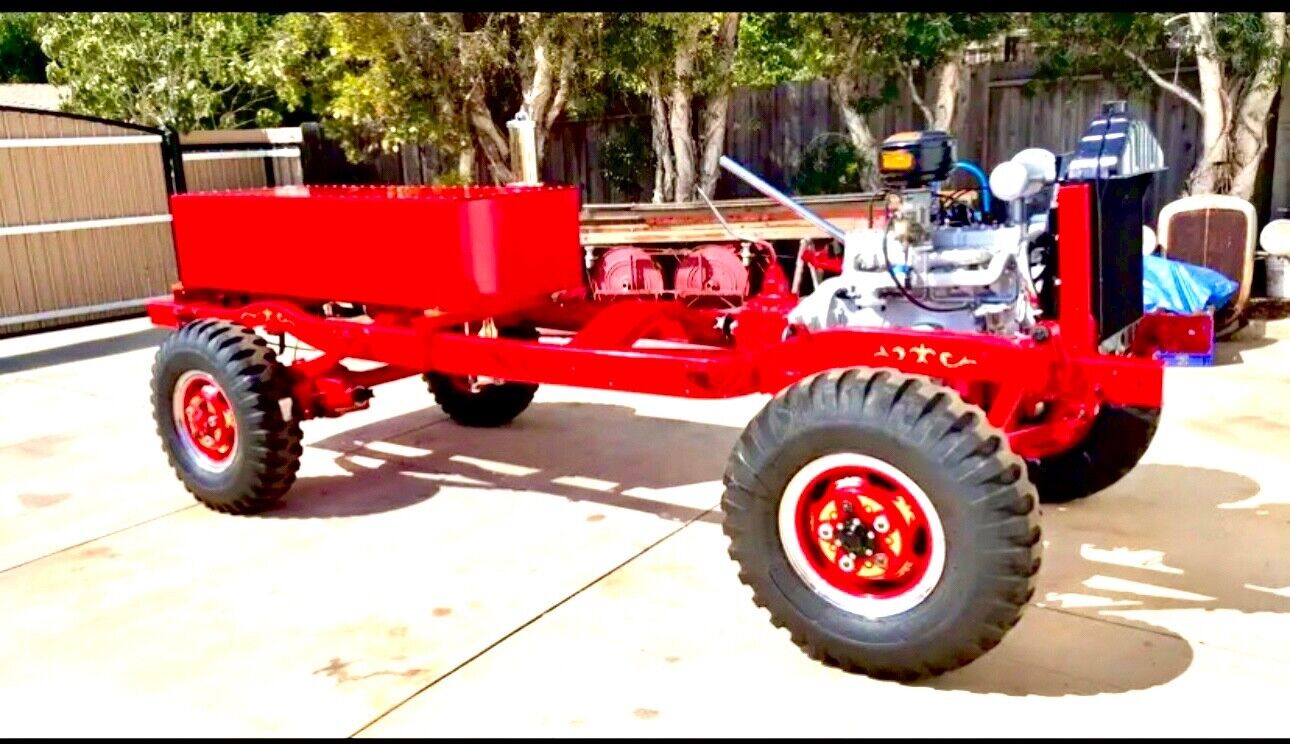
x,y
769,130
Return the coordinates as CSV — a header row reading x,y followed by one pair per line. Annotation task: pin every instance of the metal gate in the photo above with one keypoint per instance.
x,y
84,222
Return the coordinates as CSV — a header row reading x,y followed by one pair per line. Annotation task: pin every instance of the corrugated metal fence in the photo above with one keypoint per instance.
x,y
84,221
84,225
241,159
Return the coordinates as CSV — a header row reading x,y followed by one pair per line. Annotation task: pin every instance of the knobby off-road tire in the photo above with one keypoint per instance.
x,y
956,469
1116,442
233,378
494,404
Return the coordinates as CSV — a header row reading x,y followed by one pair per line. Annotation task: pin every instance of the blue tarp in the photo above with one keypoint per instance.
x,y
1180,287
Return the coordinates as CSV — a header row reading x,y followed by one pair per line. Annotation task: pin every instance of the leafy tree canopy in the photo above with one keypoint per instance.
x,y
21,60
179,70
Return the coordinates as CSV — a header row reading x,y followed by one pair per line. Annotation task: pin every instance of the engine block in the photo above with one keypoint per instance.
x,y
925,269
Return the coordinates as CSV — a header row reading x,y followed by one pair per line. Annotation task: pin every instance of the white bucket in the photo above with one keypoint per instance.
x,y
1278,276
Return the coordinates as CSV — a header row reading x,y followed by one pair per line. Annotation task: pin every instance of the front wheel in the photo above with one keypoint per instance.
x,y
882,521
217,397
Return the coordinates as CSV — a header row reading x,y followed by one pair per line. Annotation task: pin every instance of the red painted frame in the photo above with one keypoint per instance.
x,y
1042,390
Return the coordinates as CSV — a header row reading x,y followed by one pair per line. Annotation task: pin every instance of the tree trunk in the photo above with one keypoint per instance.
x,y
1207,176
916,96
466,165
717,108
497,149
947,109
545,87
556,106
1249,131
844,88
664,174
537,91
680,119
1234,113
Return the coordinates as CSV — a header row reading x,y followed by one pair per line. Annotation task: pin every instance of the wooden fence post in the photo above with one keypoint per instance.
x,y
311,160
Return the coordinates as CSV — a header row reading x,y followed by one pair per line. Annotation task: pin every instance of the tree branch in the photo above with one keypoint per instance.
x,y
1177,90
562,86
916,96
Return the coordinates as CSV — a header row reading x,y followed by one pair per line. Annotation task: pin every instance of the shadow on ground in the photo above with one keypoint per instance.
x,y
83,351
615,454
1253,336
1166,538
1155,552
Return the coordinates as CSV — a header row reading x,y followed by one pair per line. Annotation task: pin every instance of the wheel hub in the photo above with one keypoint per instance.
x,y
856,537
878,535
862,534
205,419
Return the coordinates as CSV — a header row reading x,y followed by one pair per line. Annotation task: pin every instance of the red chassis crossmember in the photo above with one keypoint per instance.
x,y
1043,391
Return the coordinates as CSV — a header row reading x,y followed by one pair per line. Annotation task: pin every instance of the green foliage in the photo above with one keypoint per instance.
x,y
831,165
782,47
626,155
1073,44
385,78
777,48
21,60
451,178
394,77
638,47
179,70
928,39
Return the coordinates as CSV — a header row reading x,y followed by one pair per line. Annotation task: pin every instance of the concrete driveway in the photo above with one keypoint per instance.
x,y
567,575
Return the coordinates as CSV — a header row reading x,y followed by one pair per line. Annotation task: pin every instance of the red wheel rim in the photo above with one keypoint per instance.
x,y
862,534
205,420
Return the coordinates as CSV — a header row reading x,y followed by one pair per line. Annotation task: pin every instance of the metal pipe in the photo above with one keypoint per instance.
x,y
765,188
981,179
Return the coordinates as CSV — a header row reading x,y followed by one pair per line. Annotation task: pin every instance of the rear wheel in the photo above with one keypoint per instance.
x,y
483,402
1118,439
216,395
883,522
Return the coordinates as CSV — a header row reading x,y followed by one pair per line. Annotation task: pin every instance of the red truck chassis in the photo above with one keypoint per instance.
x,y
1044,394
885,488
